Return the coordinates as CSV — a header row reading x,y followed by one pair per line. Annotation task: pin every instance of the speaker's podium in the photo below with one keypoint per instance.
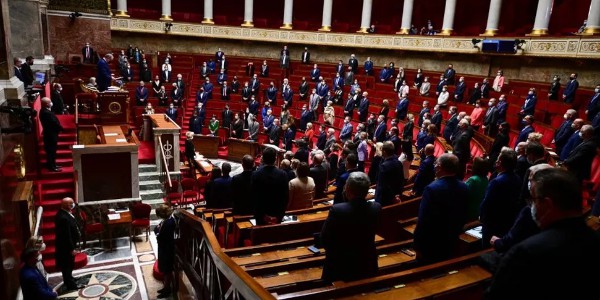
x,y
165,133
105,162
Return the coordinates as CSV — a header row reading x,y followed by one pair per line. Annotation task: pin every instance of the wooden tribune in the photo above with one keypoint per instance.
x,y
207,145
237,148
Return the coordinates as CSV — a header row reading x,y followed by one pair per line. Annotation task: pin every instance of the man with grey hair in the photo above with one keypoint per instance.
x,y
442,213
565,240
104,77
252,127
318,172
349,242
562,133
461,146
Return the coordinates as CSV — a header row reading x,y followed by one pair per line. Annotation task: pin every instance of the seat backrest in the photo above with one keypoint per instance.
x,y
141,211
188,184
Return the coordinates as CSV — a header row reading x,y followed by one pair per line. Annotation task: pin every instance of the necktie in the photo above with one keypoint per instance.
x,y
87,52
224,91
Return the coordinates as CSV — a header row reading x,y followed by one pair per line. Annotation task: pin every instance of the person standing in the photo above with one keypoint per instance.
x,y
104,77
33,283
442,213
88,54
67,237
571,88
349,240
565,240
390,180
165,238
270,190
58,104
51,128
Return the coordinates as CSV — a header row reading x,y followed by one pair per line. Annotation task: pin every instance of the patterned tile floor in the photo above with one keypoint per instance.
x,y
122,273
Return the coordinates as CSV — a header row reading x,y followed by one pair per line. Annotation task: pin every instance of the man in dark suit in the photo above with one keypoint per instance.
x,y
284,61
104,76
241,185
222,77
346,132
269,190
254,85
127,73
288,137
390,180
527,129
319,174
67,237
573,141
380,130
348,233
219,55
141,95
275,133
33,284
485,88
402,108
501,202
450,74
436,119
502,109
225,91
564,132
461,147
426,173
571,88
322,138
353,63
226,117
58,104
554,87
424,110
368,66
88,54
315,73
172,112
579,161
565,239
594,106
28,73
459,91
351,166
223,64
407,131
490,120
305,56
363,107
442,213
51,128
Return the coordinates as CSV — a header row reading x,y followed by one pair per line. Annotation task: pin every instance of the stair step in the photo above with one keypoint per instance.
x,y
143,168
150,185
151,194
53,191
149,176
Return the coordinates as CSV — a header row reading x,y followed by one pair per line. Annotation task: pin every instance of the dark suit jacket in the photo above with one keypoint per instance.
x,y
380,132
459,92
269,192
321,140
524,134
442,215
500,205
573,141
580,159
524,272
529,106
553,91
274,135
319,175
500,141
340,182
58,105
593,107
461,146
407,131
562,135
363,109
28,75
50,124
422,114
67,236
172,114
390,180
34,285
570,90
502,108
348,236
523,228
402,109
436,120
450,75
242,187
103,79
425,176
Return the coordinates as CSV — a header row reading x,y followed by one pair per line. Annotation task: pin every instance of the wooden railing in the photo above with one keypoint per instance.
x,y
165,175
211,272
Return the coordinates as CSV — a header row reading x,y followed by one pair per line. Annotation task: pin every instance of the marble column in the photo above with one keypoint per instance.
x,y
248,13
327,11
208,12
11,88
365,21
407,11
122,9
542,18
166,11
288,12
449,10
26,28
493,20
593,21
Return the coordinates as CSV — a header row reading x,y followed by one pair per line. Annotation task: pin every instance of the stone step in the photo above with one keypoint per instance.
x,y
150,185
147,176
151,194
147,168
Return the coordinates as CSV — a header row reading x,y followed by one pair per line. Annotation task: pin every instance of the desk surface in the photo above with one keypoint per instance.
x,y
125,219
159,121
113,134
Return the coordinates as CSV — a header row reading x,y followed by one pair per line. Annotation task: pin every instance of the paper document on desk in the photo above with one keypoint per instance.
x,y
289,219
253,222
121,140
475,232
113,217
111,134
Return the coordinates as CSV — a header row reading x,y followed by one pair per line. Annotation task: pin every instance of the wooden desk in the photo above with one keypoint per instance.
x,y
112,134
111,224
237,148
207,145
167,131
205,166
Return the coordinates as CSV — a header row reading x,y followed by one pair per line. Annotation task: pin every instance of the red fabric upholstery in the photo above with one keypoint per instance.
x,y
140,223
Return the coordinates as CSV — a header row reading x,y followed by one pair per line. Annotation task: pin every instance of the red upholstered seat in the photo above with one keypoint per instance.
x,y
140,223
140,219
91,228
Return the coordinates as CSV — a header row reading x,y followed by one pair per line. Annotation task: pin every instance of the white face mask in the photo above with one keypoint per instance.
x,y
490,103
533,213
42,247
39,257
73,206
565,116
580,134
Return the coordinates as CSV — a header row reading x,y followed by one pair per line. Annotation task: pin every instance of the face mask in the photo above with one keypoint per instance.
x,y
580,134
39,257
533,213
529,185
571,77
9,263
490,103
43,247
73,206
597,90
565,116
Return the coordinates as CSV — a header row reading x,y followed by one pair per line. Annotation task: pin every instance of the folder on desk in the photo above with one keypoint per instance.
x,y
113,217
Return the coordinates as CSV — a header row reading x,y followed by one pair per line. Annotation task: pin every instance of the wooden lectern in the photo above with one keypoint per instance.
x,y
207,145
166,132
107,169
102,108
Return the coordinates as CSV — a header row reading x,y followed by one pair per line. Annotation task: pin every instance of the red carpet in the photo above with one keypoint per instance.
x,y
146,153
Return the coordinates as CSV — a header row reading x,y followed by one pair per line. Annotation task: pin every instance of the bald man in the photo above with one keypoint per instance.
x,y
51,128
67,237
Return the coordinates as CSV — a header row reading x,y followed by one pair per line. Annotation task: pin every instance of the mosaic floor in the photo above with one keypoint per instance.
x,y
123,273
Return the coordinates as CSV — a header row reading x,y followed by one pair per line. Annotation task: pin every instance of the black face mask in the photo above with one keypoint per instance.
x,y
571,77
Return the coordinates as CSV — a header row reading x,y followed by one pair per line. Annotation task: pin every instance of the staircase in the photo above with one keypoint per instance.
x,y
150,187
53,187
